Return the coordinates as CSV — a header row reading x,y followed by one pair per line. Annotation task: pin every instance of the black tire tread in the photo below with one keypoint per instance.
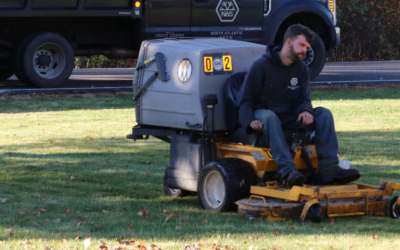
x,y
320,57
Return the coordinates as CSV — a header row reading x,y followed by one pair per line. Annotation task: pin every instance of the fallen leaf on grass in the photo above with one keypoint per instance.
x,y
73,177
275,233
64,240
143,212
87,242
101,243
375,237
129,226
167,219
78,218
47,221
4,201
78,238
68,210
177,228
332,221
103,247
166,211
205,221
42,210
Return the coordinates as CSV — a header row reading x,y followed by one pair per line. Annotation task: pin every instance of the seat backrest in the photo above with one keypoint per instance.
x,y
231,92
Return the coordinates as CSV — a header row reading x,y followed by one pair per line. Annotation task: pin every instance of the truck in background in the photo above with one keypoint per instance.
x,y
39,38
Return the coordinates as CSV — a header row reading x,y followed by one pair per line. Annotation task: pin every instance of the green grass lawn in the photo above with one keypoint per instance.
x,y
68,155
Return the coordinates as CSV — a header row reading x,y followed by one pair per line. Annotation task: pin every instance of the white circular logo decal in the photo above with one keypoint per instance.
x,y
294,81
218,64
185,70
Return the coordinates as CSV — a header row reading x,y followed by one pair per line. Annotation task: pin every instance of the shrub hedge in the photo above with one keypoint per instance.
x,y
370,30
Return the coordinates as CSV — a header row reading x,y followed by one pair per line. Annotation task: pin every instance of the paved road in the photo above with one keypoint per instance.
x,y
95,80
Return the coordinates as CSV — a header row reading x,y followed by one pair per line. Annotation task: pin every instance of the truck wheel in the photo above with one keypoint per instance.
x,y
171,192
44,60
224,181
5,74
316,57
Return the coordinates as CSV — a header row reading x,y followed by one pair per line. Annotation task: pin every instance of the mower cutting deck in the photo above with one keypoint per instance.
x,y
274,202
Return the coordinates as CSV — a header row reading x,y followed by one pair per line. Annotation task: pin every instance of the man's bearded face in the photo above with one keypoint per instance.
x,y
296,56
298,49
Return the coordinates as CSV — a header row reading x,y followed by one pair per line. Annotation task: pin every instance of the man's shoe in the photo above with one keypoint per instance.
x,y
337,175
295,178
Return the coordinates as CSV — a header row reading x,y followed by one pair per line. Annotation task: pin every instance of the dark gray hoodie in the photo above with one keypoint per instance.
x,y
270,84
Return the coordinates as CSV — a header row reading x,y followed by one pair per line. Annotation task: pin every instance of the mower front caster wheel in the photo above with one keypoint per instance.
x,y
314,214
394,212
173,192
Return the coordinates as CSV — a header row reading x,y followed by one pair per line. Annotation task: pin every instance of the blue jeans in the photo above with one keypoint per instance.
x,y
325,138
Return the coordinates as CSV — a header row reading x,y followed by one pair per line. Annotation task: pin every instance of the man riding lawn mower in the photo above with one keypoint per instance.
x,y
248,141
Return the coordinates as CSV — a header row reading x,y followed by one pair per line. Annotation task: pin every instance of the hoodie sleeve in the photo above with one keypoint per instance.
x,y
248,95
303,102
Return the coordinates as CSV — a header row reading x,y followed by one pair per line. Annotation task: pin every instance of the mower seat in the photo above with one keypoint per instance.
x,y
238,134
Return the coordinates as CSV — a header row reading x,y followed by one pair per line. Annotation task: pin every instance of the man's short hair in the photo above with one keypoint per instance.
x,y
297,29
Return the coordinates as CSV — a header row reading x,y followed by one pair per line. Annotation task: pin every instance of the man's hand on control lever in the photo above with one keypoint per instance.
x,y
257,125
307,118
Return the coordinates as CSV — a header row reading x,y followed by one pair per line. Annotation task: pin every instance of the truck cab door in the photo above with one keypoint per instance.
x,y
230,19
167,19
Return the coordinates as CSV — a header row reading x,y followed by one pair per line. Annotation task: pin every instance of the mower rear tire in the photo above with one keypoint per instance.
x,y
223,182
173,192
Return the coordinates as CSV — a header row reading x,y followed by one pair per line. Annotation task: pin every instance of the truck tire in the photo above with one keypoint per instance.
x,y
5,74
44,60
172,192
316,57
224,181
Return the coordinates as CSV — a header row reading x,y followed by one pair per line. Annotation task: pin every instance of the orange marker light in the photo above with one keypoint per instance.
x,y
137,4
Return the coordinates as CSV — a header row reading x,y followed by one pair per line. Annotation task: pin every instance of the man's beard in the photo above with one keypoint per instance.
x,y
295,56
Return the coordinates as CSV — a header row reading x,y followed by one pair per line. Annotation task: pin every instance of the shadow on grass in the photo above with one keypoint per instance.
x,y
66,103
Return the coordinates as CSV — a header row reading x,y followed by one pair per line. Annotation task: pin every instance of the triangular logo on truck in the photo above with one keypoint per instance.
x,y
227,10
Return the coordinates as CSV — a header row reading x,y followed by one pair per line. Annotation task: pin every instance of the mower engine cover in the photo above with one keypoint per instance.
x,y
174,75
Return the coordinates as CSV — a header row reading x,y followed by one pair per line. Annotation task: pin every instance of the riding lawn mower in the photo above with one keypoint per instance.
x,y
185,91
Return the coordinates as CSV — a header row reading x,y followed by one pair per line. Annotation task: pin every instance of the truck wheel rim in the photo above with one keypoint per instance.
x,y
309,56
214,189
49,60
